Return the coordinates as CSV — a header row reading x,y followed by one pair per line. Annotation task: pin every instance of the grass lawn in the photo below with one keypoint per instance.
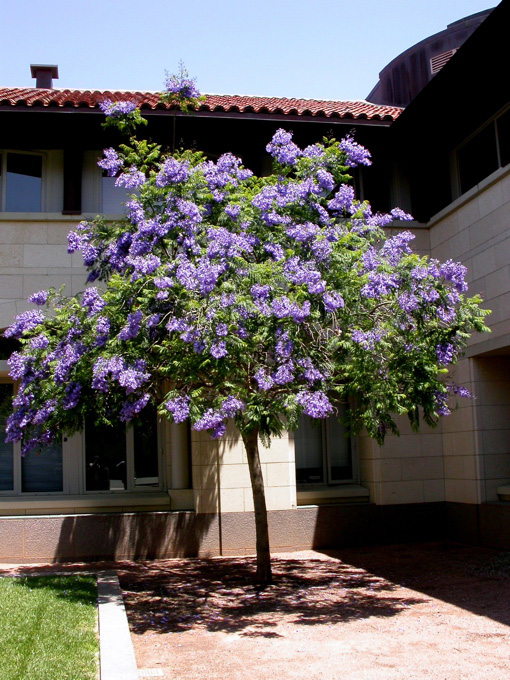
x,y
48,628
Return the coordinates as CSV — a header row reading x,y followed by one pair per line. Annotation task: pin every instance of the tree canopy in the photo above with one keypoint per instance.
x,y
225,295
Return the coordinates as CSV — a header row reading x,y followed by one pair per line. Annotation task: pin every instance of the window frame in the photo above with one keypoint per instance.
x,y
74,463
326,445
131,486
3,178
17,480
457,191
122,191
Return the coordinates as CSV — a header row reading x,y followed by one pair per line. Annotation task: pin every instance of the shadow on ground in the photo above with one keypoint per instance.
x,y
218,595
473,578
312,588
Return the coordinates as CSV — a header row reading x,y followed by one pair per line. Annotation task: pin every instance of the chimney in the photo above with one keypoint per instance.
x,y
44,74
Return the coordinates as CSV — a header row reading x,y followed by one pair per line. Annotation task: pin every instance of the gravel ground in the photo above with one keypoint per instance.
x,y
438,611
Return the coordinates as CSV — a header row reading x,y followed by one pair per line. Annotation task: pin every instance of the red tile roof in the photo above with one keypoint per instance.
x,y
222,103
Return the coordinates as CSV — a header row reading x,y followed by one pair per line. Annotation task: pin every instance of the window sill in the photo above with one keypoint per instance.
x,y
332,495
503,492
57,216
467,196
36,217
84,503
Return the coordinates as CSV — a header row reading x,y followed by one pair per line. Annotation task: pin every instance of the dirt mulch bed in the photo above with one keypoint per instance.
x,y
436,611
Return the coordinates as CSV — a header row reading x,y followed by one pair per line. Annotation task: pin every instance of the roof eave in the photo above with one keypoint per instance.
x,y
345,119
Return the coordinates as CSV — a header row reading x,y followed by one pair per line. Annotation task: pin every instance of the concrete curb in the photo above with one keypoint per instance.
x,y
117,657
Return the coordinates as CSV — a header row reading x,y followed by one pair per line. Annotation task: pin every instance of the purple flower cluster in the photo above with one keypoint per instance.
x,y
355,154
299,272
227,171
310,372
102,331
130,377
39,342
459,391
39,298
91,299
396,247
332,301
172,172
302,232
130,409
282,148
283,308
314,404
117,109
178,408
214,419
25,322
132,179
441,400
454,272
182,85
264,381
132,327
72,396
67,356
343,200
111,162
445,353
366,339
219,350
379,284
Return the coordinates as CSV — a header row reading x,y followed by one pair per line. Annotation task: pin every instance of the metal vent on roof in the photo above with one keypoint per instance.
x,y
437,62
44,75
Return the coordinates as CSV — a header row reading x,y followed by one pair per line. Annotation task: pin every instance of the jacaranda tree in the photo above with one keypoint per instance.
x,y
223,295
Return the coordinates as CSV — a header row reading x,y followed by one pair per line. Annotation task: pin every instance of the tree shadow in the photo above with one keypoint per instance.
x,y
81,589
142,535
219,595
473,578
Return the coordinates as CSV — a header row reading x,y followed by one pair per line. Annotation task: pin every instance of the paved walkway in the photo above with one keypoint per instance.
x,y
116,652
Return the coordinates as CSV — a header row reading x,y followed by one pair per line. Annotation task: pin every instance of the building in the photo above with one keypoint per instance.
x,y
169,492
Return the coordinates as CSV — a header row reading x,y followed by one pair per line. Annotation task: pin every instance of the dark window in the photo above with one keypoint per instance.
x,y
105,457
6,450
120,458
145,436
7,347
41,470
376,187
477,158
503,124
323,452
309,448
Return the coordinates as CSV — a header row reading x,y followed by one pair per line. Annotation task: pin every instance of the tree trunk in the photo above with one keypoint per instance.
x,y
264,576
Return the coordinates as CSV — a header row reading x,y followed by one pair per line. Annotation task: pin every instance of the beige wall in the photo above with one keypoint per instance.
x,y
406,469
33,256
232,491
492,388
475,229
460,444
466,457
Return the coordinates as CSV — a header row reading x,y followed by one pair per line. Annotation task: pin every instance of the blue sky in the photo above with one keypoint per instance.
x,y
321,49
